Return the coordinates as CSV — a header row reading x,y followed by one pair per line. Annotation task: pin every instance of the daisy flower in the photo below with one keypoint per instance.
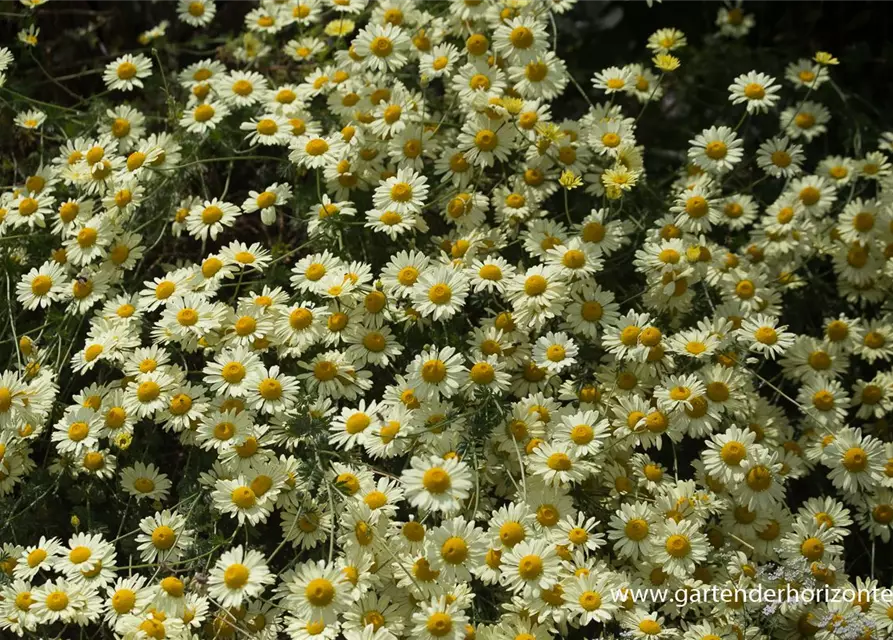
x,y
29,210
578,533
806,74
763,335
483,145
268,129
382,47
724,453
403,193
554,352
77,431
490,274
245,256
543,78
763,483
59,601
666,40
537,294
575,260
779,158
530,566
455,548
87,558
327,212
807,121
520,39
488,372
163,537
351,427
204,117
757,90
270,391
436,372
210,218
856,461
436,484
42,286
126,595
876,342
824,400
440,61
318,590
147,394
679,547
440,292
267,201
631,528
39,557
589,598
145,482
613,79
127,72
236,498
196,13
241,88
31,119
716,150
558,464
311,151
238,575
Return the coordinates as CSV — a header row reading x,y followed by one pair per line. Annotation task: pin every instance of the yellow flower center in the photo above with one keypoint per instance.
x,y
636,529
41,285
147,391
316,147
855,459
440,294
77,431
57,600
243,497
270,389
754,91
697,207
433,371
530,567
559,462
87,237
759,478
401,192
678,546
650,627
454,550
732,453
123,600
126,70
236,576
521,38
436,480
823,400
163,537
716,150
439,624
381,46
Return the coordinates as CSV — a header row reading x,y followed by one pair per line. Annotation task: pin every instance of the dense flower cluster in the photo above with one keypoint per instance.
x,y
469,435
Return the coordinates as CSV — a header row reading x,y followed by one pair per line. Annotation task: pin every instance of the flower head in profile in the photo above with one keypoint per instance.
x,y
666,62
